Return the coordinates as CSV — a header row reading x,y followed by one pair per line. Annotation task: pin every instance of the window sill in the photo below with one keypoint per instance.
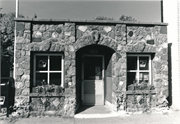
x,y
129,92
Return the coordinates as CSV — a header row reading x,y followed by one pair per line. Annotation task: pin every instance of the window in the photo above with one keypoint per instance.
x,y
48,69
138,69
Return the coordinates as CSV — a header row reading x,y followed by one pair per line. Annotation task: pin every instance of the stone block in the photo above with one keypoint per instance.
x,y
161,99
165,72
36,27
27,58
21,100
118,30
123,43
46,45
20,26
79,34
57,47
27,72
25,92
19,60
18,78
36,39
95,36
164,50
103,33
27,34
37,34
107,28
72,39
111,34
53,46
62,48
26,65
71,48
130,33
19,71
27,41
20,33
139,47
52,28
73,55
55,35
3,29
23,52
119,39
59,29
46,35
18,92
19,39
18,46
42,28
71,71
27,26
25,78
67,91
151,42
47,27
19,85
163,30
28,53
164,57
82,28
67,33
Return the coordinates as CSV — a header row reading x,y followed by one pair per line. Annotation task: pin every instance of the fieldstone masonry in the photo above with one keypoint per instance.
x,y
68,37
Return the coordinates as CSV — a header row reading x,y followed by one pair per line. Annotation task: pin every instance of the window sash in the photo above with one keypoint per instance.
x,y
48,70
138,71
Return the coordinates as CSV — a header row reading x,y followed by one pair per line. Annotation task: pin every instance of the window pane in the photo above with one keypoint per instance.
x,y
55,78
144,63
131,63
131,77
41,79
143,77
93,68
41,63
55,63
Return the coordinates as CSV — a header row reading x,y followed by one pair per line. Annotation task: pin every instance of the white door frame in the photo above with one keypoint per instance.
x,y
82,74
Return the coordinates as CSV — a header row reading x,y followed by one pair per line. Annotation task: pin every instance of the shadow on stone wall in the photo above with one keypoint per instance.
x,y
170,74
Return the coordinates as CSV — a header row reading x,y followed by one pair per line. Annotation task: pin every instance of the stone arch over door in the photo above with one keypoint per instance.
x,y
115,75
95,38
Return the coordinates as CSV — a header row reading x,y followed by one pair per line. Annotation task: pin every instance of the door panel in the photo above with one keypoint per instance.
x,y
92,68
93,84
89,87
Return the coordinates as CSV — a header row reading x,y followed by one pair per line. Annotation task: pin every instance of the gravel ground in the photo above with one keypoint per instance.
x,y
170,117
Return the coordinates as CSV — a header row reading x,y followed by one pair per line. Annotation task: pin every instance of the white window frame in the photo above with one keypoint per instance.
x,y
138,70
48,71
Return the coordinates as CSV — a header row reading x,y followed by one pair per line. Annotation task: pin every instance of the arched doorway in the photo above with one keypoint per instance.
x,y
94,75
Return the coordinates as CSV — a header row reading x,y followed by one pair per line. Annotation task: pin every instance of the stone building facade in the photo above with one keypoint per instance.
x,y
63,64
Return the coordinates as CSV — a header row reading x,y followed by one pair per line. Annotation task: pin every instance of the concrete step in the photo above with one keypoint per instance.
x,y
95,112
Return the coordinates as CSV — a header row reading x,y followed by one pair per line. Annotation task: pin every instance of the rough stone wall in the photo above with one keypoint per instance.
x,y
68,38
49,38
22,65
152,40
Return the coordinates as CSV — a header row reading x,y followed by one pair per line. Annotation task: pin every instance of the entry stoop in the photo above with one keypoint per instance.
x,y
98,111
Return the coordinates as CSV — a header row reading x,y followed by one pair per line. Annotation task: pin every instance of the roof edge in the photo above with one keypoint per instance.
x,y
88,21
